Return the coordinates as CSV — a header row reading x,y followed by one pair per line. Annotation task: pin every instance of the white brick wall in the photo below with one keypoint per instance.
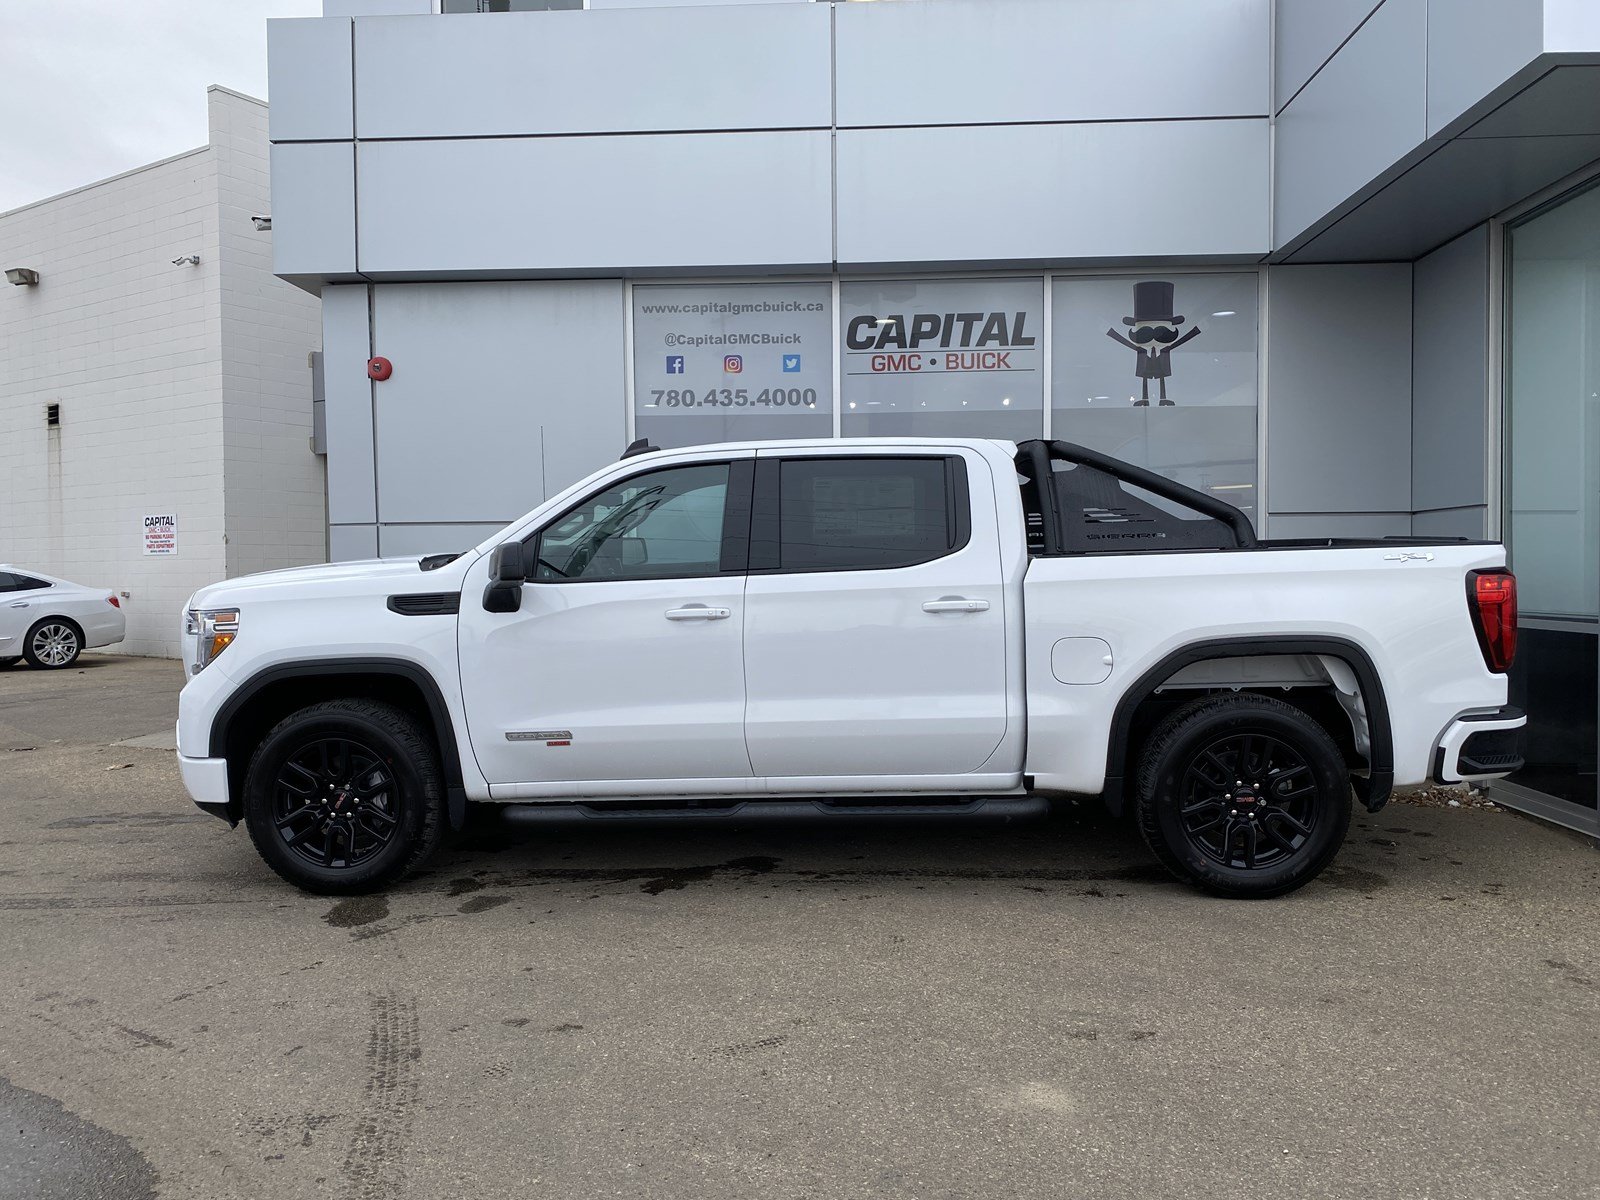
x,y
274,496
169,379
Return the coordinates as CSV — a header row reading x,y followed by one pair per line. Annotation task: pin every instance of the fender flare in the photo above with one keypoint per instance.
x,y
399,668
1374,789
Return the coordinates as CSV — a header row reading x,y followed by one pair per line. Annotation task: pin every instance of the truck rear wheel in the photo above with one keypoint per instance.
x,y
1243,795
345,797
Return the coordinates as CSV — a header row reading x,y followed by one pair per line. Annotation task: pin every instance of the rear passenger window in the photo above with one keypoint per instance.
x,y
855,514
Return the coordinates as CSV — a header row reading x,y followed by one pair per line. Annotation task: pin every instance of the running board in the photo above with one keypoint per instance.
x,y
566,812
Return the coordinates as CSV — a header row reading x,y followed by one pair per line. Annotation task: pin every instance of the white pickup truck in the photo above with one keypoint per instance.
x,y
873,626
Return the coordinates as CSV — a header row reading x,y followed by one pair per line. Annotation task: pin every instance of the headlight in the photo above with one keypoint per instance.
x,y
214,630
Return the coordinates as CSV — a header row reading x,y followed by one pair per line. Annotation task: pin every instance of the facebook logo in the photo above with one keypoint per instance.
x,y
791,364
674,364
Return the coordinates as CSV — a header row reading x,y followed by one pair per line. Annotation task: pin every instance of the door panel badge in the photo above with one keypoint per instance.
x,y
550,737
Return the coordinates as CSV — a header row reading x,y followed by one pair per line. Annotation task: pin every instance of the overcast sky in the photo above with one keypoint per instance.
x,y
89,88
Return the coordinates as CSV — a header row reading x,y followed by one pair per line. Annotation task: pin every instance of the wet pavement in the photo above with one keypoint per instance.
x,y
773,1011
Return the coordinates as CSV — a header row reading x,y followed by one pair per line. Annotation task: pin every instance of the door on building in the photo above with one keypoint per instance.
x,y
849,675
502,395
625,660
1553,502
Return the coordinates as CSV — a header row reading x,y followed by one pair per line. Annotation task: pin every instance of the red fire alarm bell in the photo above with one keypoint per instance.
x,y
379,368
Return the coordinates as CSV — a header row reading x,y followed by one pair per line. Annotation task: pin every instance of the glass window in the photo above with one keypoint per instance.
x,y
943,358
840,514
1553,411
732,362
8,583
1161,372
661,525
493,6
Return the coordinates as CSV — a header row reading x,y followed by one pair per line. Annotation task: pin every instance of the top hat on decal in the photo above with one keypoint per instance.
x,y
1153,334
1152,304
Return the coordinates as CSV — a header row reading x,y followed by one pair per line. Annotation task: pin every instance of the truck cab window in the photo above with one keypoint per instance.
x,y
853,514
661,525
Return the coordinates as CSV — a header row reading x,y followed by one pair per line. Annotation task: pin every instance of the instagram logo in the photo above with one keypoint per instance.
x,y
733,363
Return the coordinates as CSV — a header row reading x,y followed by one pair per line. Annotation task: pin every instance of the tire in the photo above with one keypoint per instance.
x,y
1243,795
345,797
53,644
10,661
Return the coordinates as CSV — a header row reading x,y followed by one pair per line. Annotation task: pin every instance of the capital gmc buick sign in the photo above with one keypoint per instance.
x,y
949,345
949,341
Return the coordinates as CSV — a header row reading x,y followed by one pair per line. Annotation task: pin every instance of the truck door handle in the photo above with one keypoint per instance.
x,y
955,604
698,612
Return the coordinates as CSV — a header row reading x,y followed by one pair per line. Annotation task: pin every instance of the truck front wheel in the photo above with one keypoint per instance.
x,y
345,797
1243,795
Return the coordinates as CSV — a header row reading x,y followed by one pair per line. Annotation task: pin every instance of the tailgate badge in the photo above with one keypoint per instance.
x,y
1408,556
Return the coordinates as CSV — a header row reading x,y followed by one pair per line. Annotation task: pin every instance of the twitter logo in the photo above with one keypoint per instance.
x,y
791,364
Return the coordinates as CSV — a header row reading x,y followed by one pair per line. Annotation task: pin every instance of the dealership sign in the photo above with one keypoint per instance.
x,y
951,341
160,533
714,350
943,345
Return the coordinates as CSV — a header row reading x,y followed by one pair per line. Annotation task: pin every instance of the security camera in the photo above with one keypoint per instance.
x,y
22,276
262,223
192,259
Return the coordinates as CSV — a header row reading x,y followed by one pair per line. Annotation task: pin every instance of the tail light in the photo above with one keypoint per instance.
x,y
1492,597
114,602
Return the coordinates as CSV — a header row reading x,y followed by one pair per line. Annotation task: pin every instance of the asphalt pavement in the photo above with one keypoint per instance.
x,y
1023,1010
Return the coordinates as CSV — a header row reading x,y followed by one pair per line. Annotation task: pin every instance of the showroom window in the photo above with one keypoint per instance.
x,y
500,6
1162,371
942,358
1552,495
732,362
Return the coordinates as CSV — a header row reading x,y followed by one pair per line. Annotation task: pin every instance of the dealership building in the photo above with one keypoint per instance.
x,y
155,395
1332,261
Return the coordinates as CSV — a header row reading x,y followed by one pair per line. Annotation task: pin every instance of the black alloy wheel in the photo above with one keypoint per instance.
x,y
1248,801
335,803
1243,795
345,796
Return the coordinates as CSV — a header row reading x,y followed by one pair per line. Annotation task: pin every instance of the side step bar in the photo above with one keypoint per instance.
x,y
992,807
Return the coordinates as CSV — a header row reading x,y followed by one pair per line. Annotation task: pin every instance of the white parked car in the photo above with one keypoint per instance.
x,y
49,621
873,626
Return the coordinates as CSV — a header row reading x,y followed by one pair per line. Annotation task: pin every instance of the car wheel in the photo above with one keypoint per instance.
x,y
345,797
1243,795
10,661
53,643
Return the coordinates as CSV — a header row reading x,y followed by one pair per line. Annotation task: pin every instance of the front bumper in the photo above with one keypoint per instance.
x,y
1480,746
206,781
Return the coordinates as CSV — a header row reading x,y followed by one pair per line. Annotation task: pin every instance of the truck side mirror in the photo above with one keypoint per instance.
x,y
508,570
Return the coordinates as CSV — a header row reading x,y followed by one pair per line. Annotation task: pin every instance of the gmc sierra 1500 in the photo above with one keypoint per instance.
x,y
845,627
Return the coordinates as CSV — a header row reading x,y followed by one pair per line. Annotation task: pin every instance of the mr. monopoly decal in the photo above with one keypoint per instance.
x,y
1153,335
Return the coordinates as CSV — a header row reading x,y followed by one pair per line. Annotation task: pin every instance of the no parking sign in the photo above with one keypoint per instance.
x,y
161,533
